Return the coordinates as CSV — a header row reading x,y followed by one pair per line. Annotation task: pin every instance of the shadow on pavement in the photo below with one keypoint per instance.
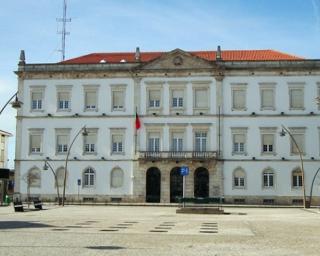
x,y
22,224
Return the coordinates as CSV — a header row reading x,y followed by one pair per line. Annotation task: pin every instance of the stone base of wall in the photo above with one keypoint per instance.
x,y
268,200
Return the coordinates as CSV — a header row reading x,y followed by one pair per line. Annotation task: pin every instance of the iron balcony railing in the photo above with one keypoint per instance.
x,y
177,154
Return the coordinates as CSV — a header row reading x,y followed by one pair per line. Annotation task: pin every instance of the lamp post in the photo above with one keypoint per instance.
x,y
283,133
312,183
15,104
47,166
84,133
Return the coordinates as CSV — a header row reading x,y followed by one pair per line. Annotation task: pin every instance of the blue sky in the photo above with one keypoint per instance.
x,y
291,26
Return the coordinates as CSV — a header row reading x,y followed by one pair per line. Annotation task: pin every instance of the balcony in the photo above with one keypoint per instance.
x,y
178,155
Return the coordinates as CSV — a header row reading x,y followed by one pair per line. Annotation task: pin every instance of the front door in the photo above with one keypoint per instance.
x,y
153,183
176,185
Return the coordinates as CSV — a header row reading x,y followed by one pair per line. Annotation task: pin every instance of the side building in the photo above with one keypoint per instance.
x,y
217,112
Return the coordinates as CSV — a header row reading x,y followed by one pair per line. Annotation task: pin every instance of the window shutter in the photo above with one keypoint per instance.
x,y
239,174
177,93
201,97
118,99
35,141
36,95
154,95
90,99
117,138
63,96
239,138
296,99
62,139
267,98
239,99
268,139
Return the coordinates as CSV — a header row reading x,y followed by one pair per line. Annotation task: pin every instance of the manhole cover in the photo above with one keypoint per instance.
x,y
105,247
109,230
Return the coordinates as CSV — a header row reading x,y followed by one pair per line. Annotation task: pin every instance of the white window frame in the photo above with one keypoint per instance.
x,y
267,173
296,179
296,86
239,131
88,89
37,89
36,132
271,87
238,87
298,131
268,131
201,131
180,146
65,147
117,132
202,87
93,150
240,180
64,89
149,132
91,177
118,88
178,86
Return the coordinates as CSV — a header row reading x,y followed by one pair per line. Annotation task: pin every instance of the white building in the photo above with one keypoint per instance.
x,y
4,137
219,113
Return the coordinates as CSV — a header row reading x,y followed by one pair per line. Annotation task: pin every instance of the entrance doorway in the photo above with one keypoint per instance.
x,y
153,184
176,185
201,182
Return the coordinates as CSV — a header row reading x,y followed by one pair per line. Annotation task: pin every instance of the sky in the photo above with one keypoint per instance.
x,y
291,26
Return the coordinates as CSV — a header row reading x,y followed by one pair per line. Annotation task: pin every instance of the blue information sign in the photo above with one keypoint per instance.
x,y
184,170
79,182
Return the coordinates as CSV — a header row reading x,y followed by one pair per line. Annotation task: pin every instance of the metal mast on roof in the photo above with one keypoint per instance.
x,y
63,32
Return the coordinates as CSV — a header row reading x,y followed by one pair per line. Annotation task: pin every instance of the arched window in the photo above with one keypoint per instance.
x,y
34,178
60,177
239,177
268,178
89,177
296,178
116,178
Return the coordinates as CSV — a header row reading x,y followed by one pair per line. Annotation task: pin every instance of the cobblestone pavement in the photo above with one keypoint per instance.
x,y
137,230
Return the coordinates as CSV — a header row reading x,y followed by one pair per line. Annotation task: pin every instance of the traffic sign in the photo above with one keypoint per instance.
x,y
184,170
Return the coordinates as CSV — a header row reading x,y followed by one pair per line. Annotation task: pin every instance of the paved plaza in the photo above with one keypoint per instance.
x,y
141,230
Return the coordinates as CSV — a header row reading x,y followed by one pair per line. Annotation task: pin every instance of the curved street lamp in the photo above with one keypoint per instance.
x,y
84,133
313,180
283,133
47,166
15,104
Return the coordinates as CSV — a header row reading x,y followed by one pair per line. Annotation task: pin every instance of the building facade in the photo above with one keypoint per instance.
x,y
217,112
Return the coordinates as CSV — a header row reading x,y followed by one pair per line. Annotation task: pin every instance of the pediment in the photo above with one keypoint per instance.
x,y
177,60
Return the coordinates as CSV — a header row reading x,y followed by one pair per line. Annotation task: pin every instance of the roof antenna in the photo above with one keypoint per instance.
x,y
218,55
63,31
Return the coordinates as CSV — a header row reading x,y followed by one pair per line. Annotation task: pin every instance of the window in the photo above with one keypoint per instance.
x,y
298,135
33,178
2,138
177,142
296,96
63,101
116,178
154,142
177,98
35,141
239,178
267,97
89,177
154,98
62,140
239,97
90,142
239,141
200,98
36,100
268,179
200,141
2,155
118,94
267,143
117,143
60,177
90,100
297,178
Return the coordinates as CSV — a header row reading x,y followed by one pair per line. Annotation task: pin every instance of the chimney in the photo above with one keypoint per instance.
x,y
137,55
218,54
22,60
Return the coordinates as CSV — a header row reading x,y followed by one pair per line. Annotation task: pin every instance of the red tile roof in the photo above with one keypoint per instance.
x,y
229,55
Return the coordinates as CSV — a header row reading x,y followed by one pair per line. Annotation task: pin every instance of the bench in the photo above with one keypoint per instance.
x,y
37,204
18,206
